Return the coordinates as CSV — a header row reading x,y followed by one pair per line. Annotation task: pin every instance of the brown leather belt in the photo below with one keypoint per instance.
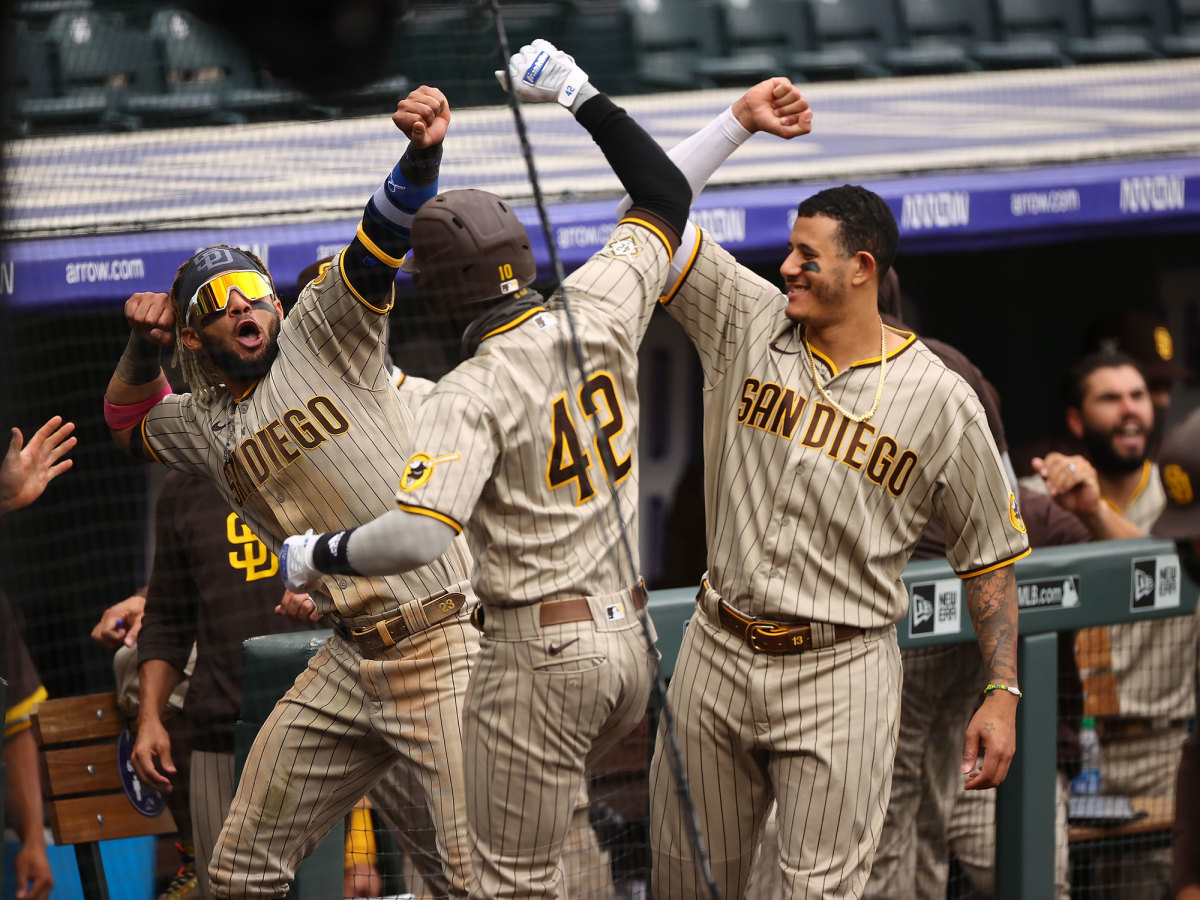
x,y
765,636
389,632
559,612
1109,727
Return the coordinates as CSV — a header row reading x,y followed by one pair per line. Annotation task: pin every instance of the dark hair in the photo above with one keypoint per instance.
x,y
865,222
1077,376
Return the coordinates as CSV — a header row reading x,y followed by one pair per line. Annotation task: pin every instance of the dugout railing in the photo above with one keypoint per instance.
x,y
1059,588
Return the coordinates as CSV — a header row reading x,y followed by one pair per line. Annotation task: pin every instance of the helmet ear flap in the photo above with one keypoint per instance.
x,y
468,248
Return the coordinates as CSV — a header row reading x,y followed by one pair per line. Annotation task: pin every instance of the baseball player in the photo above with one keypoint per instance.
x,y
298,423
1179,521
519,449
1137,676
830,441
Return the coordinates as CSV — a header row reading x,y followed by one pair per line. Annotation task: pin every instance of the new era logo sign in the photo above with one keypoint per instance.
x,y
1143,586
934,608
1154,583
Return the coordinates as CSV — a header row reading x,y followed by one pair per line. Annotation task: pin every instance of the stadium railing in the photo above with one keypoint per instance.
x,y
1112,582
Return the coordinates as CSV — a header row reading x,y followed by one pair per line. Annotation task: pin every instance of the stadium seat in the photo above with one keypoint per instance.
x,y
1031,34
599,34
96,62
939,36
208,78
36,14
849,39
1184,39
432,43
756,38
669,38
28,82
1121,31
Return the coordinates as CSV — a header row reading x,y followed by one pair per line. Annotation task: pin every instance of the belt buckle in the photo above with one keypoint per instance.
x,y
756,630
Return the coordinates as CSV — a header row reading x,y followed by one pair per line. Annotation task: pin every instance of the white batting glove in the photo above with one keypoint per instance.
x,y
296,561
540,72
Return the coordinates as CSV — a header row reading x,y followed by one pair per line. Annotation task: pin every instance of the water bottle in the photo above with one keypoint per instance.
x,y
1088,779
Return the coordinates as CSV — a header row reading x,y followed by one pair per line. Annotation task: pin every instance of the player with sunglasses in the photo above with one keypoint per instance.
x,y
299,425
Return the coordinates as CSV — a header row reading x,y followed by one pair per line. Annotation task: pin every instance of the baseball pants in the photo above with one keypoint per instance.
x,y
336,732
544,703
213,781
941,693
816,731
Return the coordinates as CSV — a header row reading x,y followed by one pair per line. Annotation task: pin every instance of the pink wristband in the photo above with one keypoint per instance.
x,y
118,418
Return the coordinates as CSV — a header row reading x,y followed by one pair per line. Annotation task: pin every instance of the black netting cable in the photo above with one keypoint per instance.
x,y
660,686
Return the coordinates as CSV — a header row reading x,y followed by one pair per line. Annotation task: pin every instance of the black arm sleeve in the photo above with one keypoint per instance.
x,y
653,182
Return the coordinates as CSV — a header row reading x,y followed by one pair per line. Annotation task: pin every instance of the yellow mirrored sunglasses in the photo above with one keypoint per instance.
x,y
213,295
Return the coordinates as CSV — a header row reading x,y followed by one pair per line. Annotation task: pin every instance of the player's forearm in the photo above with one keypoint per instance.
x,y
383,236
138,375
395,542
1106,524
24,787
157,678
992,601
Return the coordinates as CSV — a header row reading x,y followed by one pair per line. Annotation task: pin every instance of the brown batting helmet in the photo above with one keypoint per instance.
x,y
468,247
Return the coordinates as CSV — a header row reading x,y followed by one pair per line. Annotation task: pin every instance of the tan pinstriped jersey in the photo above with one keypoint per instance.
x,y
506,445
317,443
809,515
1155,661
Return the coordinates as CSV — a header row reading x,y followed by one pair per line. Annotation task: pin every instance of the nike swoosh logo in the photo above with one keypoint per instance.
x,y
556,649
217,426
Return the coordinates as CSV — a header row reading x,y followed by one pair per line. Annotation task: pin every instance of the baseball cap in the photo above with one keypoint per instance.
x,y
1146,337
1179,469
206,265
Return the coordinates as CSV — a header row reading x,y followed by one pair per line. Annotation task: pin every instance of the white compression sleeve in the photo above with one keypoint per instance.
x,y
700,155
396,542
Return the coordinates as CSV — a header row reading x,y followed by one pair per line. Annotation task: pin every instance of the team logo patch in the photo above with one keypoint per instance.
x,y
1163,345
1014,513
623,247
1178,485
420,469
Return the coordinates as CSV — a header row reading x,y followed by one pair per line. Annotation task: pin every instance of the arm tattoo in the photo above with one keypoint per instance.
x,y
992,600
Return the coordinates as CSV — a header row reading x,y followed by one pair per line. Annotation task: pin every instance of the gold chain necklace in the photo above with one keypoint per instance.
x,y
812,364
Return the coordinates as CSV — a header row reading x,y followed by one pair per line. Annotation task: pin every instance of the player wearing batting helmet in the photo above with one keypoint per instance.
x,y
830,441
537,461
298,424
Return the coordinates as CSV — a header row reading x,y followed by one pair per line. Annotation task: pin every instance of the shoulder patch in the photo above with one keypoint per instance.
x,y
420,469
1014,513
626,247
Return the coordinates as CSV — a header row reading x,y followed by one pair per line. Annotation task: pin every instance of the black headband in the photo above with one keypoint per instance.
x,y
209,263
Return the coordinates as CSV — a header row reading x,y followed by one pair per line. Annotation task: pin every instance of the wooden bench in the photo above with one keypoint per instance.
x,y
86,800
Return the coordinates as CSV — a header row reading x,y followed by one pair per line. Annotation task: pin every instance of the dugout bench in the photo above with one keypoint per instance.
x,y
1059,588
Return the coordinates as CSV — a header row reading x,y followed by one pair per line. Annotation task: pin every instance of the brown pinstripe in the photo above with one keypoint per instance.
x,y
810,518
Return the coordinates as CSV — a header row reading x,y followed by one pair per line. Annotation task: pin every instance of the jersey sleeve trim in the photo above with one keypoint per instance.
x,y
146,442
649,226
361,299
376,251
994,566
432,513
674,289
16,717
508,326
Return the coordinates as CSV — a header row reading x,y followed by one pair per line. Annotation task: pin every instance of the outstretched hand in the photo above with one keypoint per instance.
x,y
28,468
775,106
423,116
